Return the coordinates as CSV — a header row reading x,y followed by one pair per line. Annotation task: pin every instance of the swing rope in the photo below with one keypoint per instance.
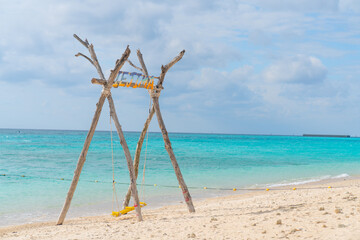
x,y
117,83
146,144
114,196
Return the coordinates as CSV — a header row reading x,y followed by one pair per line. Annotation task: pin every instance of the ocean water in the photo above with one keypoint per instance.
x,y
36,168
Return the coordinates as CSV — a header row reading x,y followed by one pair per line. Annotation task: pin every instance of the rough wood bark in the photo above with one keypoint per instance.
x,y
134,66
128,158
170,151
155,96
165,68
144,71
99,105
94,60
83,55
98,81
138,152
107,86
142,63
123,143
81,160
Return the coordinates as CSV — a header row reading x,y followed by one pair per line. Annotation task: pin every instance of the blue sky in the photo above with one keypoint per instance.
x,y
273,67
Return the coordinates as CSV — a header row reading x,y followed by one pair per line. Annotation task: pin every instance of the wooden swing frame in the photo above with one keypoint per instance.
x,y
133,167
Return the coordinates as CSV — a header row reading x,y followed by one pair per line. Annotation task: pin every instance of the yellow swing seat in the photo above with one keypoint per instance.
x,y
126,210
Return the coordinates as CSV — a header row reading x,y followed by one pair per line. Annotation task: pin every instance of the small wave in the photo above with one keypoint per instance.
x,y
305,181
344,175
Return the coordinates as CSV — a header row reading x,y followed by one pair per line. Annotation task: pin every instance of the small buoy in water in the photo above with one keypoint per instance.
x,y
61,178
22,175
267,189
155,185
234,189
294,188
205,187
96,180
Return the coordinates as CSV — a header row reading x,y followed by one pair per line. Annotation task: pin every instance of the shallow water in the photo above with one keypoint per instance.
x,y
44,157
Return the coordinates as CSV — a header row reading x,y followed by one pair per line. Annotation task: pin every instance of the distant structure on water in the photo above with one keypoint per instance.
x,y
326,135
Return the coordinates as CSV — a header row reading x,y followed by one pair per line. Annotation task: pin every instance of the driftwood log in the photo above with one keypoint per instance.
x,y
106,93
138,152
128,159
155,97
155,93
140,142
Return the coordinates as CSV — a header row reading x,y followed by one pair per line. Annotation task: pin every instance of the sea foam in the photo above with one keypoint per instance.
x,y
305,181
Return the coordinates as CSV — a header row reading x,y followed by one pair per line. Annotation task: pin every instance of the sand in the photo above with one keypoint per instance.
x,y
309,212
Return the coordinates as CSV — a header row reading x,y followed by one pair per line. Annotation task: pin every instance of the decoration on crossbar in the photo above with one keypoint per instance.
x,y
134,80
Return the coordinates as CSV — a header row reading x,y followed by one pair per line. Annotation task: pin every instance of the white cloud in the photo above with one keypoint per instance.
x,y
349,6
300,5
297,69
242,62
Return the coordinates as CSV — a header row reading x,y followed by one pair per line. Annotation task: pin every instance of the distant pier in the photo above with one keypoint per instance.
x,y
326,135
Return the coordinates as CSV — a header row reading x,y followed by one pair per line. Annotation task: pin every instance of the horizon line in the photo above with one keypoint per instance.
x,y
215,133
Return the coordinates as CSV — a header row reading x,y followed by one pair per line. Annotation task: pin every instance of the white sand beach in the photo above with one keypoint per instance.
x,y
312,211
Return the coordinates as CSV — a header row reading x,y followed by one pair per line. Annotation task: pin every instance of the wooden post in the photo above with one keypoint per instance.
x,y
105,93
170,151
81,160
128,159
124,146
155,93
143,69
138,152
155,96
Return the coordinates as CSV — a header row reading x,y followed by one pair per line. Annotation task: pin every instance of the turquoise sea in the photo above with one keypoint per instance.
x,y
36,167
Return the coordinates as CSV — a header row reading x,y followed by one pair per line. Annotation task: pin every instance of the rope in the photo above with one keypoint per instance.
x,y
106,91
117,78
155,93
113,170
146,144
166,186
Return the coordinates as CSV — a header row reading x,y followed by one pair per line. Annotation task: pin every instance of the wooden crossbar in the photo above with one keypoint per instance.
x,y
117,84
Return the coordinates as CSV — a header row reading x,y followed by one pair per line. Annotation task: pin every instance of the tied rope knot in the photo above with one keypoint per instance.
x,y
106,91
155,93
